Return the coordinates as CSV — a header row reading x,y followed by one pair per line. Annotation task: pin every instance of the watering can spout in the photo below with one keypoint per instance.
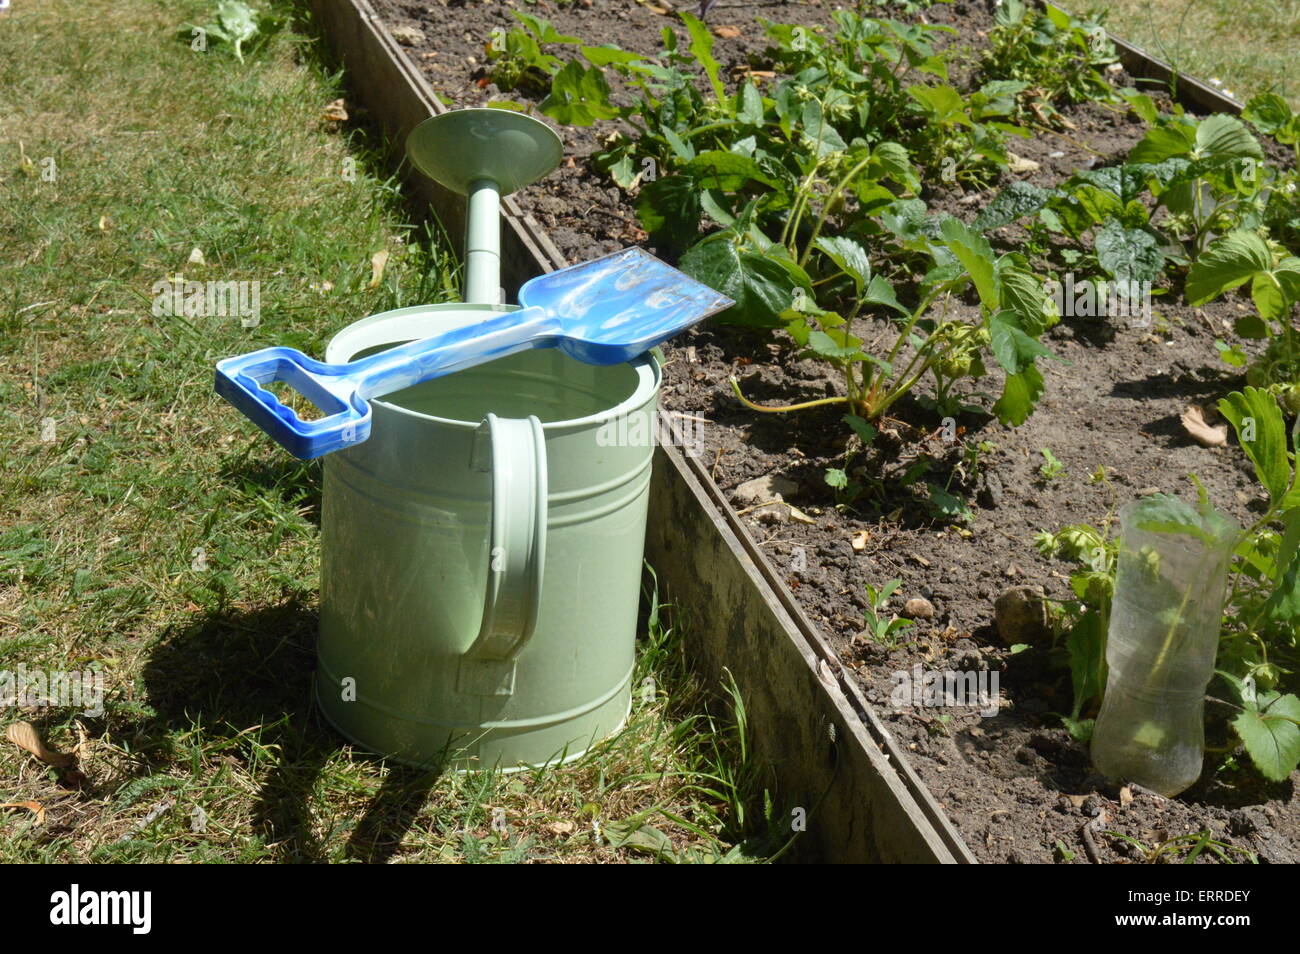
x,y
483,244
484,154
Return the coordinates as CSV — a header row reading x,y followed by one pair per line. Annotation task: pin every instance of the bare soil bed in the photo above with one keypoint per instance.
x,y
1017,786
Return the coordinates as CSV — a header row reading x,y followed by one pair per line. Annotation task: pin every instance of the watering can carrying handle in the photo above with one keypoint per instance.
x,y
516,555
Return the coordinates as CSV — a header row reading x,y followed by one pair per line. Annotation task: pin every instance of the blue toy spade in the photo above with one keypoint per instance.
x,y
605,311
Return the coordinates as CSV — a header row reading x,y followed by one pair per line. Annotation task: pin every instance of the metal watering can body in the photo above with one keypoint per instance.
x,y
481,554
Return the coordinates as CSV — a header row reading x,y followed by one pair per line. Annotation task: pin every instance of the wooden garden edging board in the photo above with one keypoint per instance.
x,y
825,751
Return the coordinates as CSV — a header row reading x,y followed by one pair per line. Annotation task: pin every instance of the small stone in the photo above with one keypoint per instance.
x,y
1020,614
1020,163
1148,491
1056,154
1244,822
770,487
407,35
918,607
992,489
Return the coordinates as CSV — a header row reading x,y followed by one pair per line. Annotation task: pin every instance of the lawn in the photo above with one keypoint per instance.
x,y
1244,46
150,535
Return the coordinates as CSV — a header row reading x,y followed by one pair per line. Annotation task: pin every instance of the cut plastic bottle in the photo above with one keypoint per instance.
x,y
1161,644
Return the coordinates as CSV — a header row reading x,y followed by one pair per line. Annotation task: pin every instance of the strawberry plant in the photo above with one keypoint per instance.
x,y
1243,257
518,57
1014,311
1056,58
1184,183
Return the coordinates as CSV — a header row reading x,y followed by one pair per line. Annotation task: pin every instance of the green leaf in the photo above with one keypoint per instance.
x,y
637,836
579,96
819,131
866,433
837,478
1126,182
1276,291
1283,603
880,292
1231,260
1016,201
1143,106
824,346
1024,293
1164,513
948,506
1162,142
1268,450
608,54
1268,112
1086,646
542,29
1128,255
1234,357
702,49
975,253
1225,137
749,105
1019,395
1014,350
1097,203
669,208
849,256
1272,736
728,171
761,286
1251,327
894,162
944,104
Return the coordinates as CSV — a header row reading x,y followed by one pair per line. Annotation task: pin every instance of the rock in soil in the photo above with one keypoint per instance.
x,y
918,607
764,489
1021,615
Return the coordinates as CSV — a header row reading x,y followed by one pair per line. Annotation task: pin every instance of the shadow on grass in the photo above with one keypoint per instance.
x,y
296,482
244,679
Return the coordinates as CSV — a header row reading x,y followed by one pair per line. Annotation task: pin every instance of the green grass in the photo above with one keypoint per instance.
x,y
1248,46
148,532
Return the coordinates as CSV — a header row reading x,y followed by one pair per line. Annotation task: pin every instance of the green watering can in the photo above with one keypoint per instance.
x,y
482,549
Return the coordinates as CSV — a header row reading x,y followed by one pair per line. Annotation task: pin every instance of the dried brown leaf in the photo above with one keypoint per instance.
x,y
377,263
1200,430
36,808
25,736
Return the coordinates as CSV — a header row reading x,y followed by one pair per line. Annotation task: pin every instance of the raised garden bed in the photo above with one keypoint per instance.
x,y
1017,786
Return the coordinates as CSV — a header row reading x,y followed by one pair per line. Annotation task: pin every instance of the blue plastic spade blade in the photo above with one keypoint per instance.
x,y
605,311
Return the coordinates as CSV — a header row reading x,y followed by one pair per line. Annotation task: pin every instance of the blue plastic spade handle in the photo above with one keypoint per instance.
x,y
240,381
605,311
342,391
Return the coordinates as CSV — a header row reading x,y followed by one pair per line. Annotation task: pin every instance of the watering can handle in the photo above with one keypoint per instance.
x,y
516,555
